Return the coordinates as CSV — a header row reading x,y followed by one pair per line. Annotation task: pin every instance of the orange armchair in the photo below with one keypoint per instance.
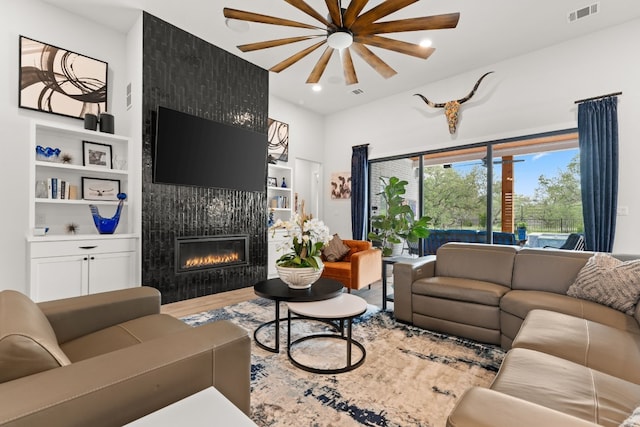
x,y
359,268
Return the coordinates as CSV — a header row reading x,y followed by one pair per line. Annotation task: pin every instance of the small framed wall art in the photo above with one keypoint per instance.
x,y
100,189
278,141
272,181
59,81
97,155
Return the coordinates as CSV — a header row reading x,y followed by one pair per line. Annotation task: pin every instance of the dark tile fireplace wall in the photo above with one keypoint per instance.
x,y
185,73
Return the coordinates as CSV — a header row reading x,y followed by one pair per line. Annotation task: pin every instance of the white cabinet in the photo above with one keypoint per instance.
x,y
280,205
58,213
280,200
63,264
69,268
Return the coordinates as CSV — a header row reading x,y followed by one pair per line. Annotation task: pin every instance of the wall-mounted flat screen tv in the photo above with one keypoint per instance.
x,y
193,151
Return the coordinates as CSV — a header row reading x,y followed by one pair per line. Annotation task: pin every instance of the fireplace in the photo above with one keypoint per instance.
x,y
209,252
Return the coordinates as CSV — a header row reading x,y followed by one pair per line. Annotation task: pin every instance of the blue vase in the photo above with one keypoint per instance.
x,y
107,225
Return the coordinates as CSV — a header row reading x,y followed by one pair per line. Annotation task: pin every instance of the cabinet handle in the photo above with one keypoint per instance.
x,y
92,257
88,247
85,258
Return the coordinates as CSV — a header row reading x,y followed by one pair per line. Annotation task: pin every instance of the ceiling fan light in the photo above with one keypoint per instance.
x,y
340,40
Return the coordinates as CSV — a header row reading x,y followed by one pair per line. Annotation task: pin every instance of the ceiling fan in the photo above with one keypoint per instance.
x,y
483,162
346,30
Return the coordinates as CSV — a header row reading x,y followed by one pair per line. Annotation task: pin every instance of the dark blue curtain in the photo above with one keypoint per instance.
x,y
598,139
359,191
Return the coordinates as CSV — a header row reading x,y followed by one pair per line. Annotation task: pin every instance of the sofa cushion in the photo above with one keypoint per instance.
x,y
123,335
520,303
609,281
566,387
454,288
582,341
548,270
335,250
28,344
487,263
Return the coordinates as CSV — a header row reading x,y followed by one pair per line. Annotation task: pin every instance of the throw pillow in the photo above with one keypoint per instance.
x,y
609,281
28,344
633,420
336,249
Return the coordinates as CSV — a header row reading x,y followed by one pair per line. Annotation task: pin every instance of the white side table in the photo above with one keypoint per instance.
x,y
341,308
208,407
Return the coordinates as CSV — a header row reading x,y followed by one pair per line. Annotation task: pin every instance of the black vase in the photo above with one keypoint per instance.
x,y
90,121
106,123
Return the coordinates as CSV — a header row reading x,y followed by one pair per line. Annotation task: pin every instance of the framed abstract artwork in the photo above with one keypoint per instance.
x,y
278,140
59,81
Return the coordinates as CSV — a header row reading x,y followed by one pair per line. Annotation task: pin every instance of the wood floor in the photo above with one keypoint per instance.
x,y
211,302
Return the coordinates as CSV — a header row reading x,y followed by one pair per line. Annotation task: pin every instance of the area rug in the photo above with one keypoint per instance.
x,y
410,377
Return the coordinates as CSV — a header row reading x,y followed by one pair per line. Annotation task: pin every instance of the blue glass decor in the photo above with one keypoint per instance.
x,y
107,225
47,154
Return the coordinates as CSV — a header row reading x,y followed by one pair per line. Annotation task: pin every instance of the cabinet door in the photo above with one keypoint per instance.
x,y
59,277
111,271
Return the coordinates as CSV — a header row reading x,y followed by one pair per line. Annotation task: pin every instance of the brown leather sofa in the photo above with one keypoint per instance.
x,y
359,268
108,359
571,362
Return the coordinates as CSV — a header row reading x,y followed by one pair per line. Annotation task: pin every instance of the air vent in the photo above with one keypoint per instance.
x,y
583,12
357,91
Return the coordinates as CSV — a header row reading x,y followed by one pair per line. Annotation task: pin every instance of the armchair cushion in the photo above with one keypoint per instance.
x,y
28,344
336,249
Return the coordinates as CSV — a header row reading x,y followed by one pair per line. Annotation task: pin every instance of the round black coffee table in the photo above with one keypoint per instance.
x,y
277,290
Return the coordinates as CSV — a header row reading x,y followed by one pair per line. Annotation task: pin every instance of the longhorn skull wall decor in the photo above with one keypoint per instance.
x,y
451,108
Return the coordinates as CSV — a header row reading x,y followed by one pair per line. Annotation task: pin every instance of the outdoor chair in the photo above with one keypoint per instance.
x,y
575,242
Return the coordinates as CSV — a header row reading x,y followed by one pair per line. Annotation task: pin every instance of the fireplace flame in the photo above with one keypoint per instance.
x,y
210,260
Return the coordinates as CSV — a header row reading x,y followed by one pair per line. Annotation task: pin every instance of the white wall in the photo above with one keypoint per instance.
x,y
528,94
40,21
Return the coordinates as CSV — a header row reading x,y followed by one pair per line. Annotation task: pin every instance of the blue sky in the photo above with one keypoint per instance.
x,y
548,164
526,173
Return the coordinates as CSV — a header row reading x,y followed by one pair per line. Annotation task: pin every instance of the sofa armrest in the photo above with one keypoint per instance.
x,y
78,316
481,407
366,267
124,385
405,273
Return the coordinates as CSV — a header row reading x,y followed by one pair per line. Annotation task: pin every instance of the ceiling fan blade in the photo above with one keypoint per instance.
x,y
295,58
436,22
273,43
321,65
374,60
303,6
265,19
354,9
383,9
334,12
348,68
396,46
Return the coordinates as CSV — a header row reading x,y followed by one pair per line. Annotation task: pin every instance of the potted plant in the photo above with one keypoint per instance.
x,y
398,223
301,266
522,230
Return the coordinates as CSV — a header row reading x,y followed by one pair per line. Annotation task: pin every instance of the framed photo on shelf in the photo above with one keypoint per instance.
x,y
100,189
272,181
97,155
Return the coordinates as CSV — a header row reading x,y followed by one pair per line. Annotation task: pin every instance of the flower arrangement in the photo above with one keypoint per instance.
x,y
306,236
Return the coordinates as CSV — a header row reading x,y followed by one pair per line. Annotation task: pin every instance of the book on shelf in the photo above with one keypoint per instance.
x,y
73,192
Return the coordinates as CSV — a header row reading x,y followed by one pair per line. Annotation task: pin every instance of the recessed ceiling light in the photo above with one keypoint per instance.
x,y
316,88
237,25
426,43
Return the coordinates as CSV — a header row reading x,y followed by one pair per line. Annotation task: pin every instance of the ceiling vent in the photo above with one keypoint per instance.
x,y
357,91
583,12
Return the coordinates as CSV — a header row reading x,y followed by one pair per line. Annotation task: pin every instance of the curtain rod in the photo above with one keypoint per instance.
x,y
598,97
361,145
